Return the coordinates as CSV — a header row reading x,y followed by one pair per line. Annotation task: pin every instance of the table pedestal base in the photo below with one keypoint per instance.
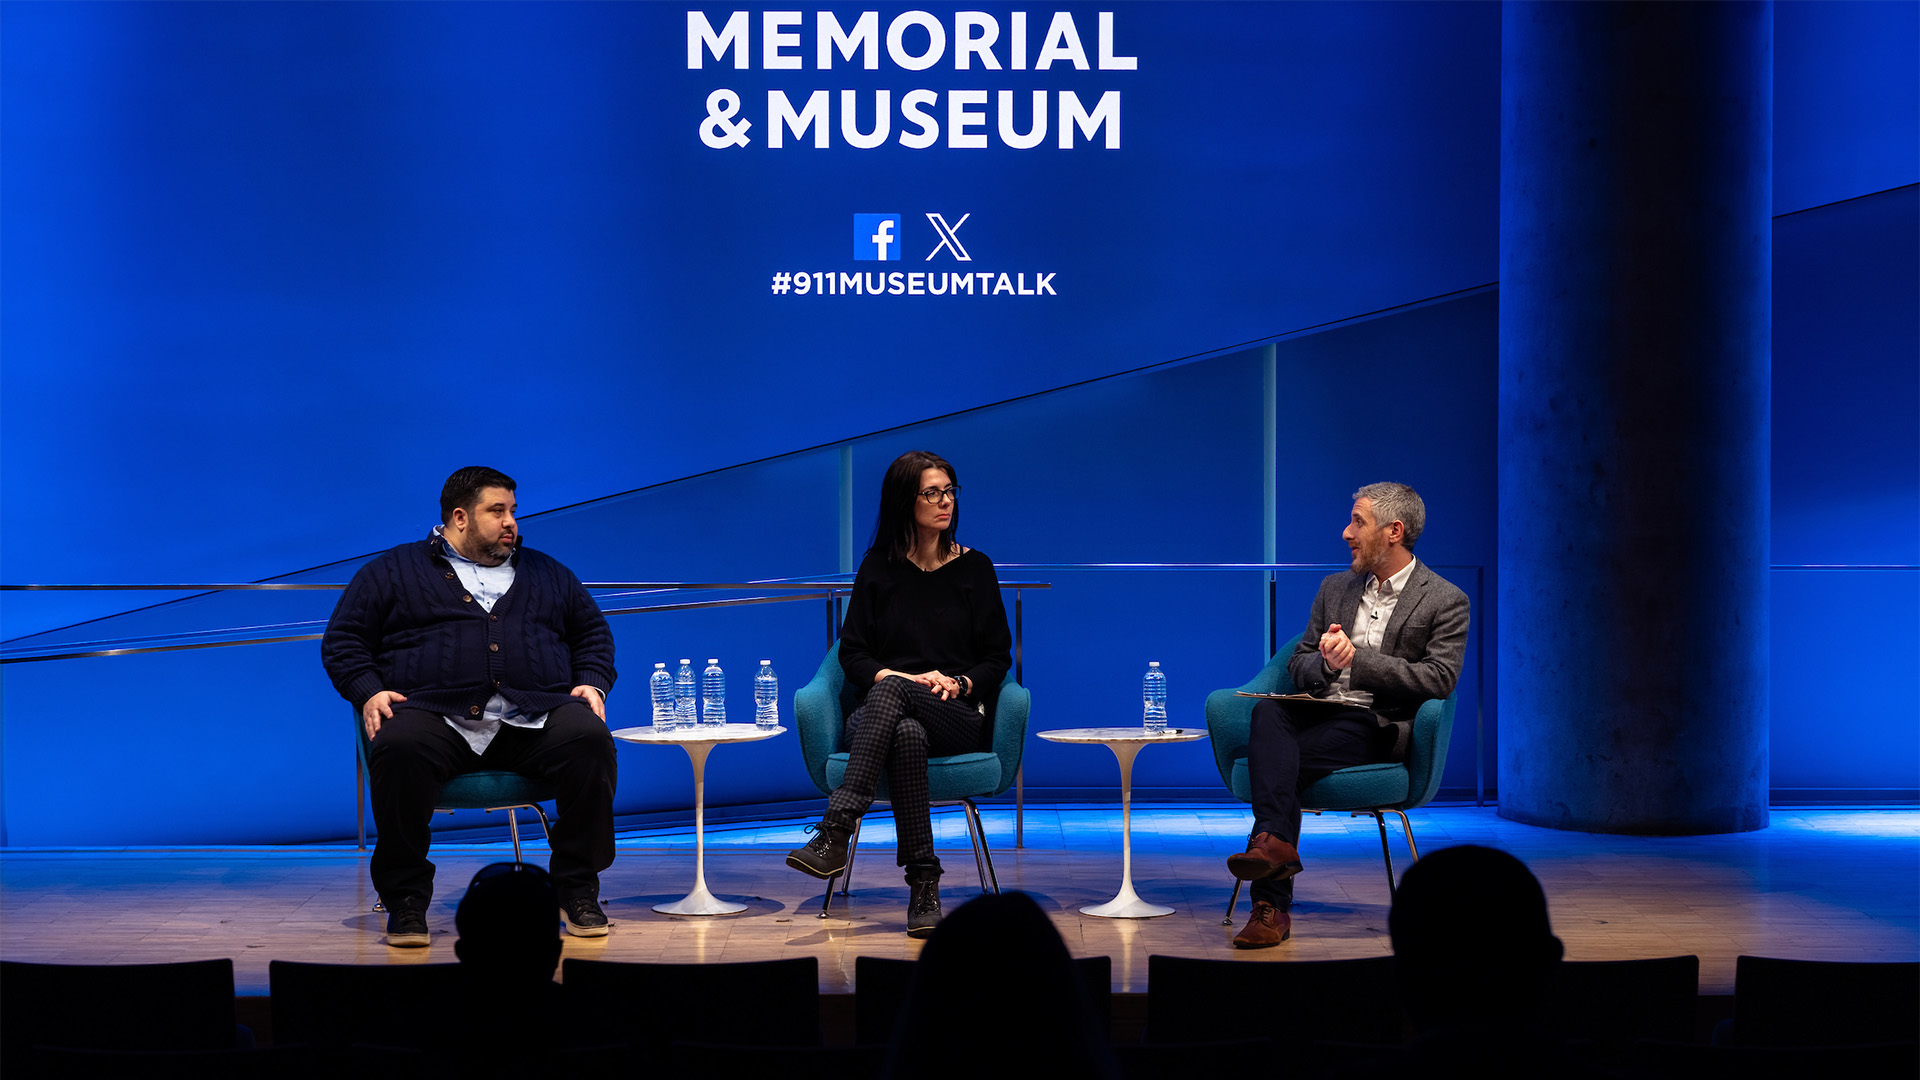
x,y
1127,905
700,902
698,743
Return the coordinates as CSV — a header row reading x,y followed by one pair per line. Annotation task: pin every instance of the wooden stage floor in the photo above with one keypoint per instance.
x,y
1817,884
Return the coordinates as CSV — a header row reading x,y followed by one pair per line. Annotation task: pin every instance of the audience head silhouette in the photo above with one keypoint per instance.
x,y
996,967
509,924
1471,939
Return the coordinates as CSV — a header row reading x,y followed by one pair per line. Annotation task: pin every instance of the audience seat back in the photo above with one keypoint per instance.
x,y
1295,1003
880,989
333,1006
1824,1002
762,1003
184,1006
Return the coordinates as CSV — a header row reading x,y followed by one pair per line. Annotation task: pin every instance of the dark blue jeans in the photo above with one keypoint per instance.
x,y
1289,748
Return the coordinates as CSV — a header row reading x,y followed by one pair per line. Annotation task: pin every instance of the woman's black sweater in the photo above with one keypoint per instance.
x,y
949,620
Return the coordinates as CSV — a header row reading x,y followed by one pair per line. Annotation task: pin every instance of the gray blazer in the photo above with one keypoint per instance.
x,y
1419,655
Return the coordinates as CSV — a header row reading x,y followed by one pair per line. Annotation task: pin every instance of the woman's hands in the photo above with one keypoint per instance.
x,y
945,686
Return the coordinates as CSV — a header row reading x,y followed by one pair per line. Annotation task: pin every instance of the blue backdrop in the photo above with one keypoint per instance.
x,y
361,238
272,271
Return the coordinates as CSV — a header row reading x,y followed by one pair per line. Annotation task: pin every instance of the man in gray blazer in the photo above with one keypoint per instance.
x,y
1379,641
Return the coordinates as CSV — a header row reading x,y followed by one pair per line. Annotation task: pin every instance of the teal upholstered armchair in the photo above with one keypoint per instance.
x,y
489,791
955,779
1377,790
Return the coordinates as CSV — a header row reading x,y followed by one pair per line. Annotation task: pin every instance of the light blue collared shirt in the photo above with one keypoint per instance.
x,y
487,584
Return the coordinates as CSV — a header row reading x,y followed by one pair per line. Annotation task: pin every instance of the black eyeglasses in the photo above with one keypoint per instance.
x,y
936,496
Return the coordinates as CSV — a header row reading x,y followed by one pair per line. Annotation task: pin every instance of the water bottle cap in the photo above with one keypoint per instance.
x,y
1153,663
713,659
767,663
684,660
661,664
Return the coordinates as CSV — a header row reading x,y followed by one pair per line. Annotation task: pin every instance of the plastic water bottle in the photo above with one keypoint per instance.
x,y
1154,693
683,695
766,697
665,711
713,694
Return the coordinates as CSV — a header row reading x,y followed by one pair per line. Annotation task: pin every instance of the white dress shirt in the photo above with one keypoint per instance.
x,y
1369,627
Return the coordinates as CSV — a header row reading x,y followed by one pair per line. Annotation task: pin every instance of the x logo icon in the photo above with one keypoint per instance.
x,y
947,238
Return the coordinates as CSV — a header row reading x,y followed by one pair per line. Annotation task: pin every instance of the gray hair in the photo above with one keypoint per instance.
x,y
1396,502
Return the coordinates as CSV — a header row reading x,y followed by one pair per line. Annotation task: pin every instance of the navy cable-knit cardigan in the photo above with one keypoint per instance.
x,y
406,623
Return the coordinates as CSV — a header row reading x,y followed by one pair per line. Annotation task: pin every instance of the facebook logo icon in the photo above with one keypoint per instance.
x,y
876,237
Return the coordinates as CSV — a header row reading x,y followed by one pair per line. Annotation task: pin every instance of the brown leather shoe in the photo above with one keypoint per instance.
x,y
1267,856
1267,927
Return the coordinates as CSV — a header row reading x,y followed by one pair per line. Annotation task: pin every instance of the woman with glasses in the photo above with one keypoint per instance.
x,y
924,647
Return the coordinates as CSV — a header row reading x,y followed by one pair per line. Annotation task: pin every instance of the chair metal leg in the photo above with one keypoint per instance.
x,y
1019,801
1231,903
513,824
513,830
853,848
1386,853
973,838
826,899
845,877
1407,825
982,856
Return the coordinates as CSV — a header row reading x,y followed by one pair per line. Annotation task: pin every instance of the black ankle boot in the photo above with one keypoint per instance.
x,y
923,909
824,856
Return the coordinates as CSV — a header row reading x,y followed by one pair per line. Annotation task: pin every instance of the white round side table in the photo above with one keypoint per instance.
x,y
698,742
1126,744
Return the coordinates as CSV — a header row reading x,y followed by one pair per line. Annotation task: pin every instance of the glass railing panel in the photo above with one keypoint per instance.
x,y
179,616
767,519
1842,720
250,744
1090,636
1160,466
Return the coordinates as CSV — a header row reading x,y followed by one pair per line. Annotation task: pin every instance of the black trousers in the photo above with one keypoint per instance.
x,y
1291,746
417,751
894,731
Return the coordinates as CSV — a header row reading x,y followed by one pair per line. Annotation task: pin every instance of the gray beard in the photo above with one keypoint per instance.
x,y
493,554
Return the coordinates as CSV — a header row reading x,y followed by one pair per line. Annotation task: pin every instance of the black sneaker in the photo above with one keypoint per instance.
x,y
583,915
407,927
824,856
923,910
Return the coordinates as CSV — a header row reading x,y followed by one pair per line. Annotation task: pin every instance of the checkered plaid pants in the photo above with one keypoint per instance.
x,y
895,730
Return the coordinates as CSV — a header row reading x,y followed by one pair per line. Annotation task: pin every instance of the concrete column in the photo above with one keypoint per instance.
x,y
1635,321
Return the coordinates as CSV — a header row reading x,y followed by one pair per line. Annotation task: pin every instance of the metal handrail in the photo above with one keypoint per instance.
x,y
1274,637
805,589
833,595
268,586
832,592
788,592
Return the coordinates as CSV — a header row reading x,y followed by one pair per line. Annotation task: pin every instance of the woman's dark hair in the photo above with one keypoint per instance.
x,y
894,532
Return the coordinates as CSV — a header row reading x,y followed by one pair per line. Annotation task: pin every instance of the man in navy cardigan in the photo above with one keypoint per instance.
x,y
467,651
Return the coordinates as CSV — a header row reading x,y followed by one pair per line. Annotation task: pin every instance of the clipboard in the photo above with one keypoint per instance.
x,y
1305,699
